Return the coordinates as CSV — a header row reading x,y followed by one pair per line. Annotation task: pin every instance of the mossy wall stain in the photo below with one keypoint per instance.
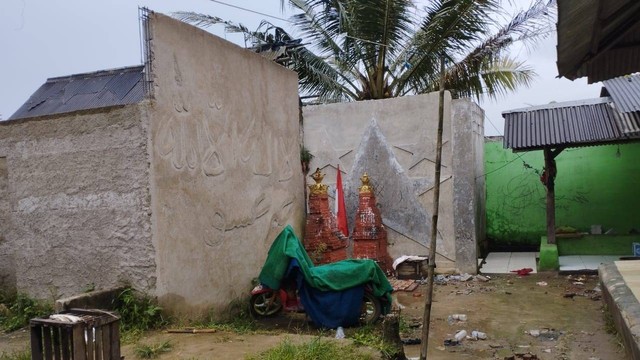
x,y
595,185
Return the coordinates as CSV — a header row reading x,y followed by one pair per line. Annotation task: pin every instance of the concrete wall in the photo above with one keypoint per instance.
x,y
226,175
394,140
7,257
78,202
595,186
468,182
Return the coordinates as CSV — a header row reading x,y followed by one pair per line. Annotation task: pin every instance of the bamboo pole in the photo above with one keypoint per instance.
x,y
434,222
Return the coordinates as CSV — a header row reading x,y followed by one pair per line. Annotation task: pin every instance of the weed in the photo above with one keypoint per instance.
x,y
316,349
18,310
371,336
138,311
144,351
610,326
16,355
237,318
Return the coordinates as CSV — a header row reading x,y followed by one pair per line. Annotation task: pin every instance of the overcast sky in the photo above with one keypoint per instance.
x,y
40,39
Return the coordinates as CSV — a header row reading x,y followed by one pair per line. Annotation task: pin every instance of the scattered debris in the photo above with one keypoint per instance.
x,y
542,283
523,271
451,342
460,335
527,356
548,351
545,334
482,278
478,335
454,318
411,341
466,277
191,331
403,285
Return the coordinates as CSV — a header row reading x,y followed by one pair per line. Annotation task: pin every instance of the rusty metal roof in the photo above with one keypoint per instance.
x,y
85,91
567,124
599,39
625,92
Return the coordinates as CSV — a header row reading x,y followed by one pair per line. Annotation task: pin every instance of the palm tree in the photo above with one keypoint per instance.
x,y
374,49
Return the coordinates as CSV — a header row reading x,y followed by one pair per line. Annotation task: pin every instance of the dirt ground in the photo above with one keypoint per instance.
x,y
567,313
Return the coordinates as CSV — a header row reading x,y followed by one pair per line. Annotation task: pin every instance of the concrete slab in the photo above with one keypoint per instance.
x,y
522,260
505,262
620,284
496,263
585,262
571,263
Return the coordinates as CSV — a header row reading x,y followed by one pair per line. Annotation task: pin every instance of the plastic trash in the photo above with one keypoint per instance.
x,y
339,333
460,335
478,335
451,319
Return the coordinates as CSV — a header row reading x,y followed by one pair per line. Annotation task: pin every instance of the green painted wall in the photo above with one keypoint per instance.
x,y
595,185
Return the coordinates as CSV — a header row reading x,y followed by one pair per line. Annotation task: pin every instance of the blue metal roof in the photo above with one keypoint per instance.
x,y
85,91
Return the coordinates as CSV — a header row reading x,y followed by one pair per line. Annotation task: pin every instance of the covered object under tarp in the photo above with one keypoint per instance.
x,y
332,293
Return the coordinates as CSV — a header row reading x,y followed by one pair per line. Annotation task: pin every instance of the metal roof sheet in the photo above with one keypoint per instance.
x,y
625,92
569,124
85,91
599,39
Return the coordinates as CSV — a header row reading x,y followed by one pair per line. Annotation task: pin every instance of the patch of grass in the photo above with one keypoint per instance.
x,y
316,349
17,310
144,351
16,355
237,318
371,336
138,311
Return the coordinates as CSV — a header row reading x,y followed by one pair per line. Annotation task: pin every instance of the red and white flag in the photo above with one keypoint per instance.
x,y
341,210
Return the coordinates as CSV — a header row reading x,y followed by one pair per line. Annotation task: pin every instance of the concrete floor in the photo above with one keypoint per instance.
x,y
505,262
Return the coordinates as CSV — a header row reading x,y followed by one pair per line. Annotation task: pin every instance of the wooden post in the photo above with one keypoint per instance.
x,y
549,179
434,222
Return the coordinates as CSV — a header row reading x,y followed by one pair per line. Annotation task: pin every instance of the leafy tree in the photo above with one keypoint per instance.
x,y
374,49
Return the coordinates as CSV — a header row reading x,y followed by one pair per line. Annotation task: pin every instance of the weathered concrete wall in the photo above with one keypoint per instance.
x,y
7,258
226,174
78,200
468,182
394,140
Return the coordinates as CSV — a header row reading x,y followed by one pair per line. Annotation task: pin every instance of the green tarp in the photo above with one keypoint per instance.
x,y
337,276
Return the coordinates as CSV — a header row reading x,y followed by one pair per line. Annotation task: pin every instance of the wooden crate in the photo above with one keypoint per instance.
x,y
95,337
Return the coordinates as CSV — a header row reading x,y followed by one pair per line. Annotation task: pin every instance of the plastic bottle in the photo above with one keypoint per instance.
x,y
339,333
460,335
478,335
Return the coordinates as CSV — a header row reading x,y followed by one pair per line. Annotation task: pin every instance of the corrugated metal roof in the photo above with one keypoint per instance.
x,y
85,91
599,39
625,92
575,123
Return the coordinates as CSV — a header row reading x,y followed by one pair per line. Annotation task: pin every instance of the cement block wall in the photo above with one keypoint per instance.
x,y
77,202
225,169
400,157
7,257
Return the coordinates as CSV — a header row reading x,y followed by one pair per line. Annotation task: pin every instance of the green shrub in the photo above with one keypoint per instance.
x,y
18,310
138,312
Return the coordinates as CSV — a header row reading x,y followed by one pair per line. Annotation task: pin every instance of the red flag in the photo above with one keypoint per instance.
x,y
341,210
